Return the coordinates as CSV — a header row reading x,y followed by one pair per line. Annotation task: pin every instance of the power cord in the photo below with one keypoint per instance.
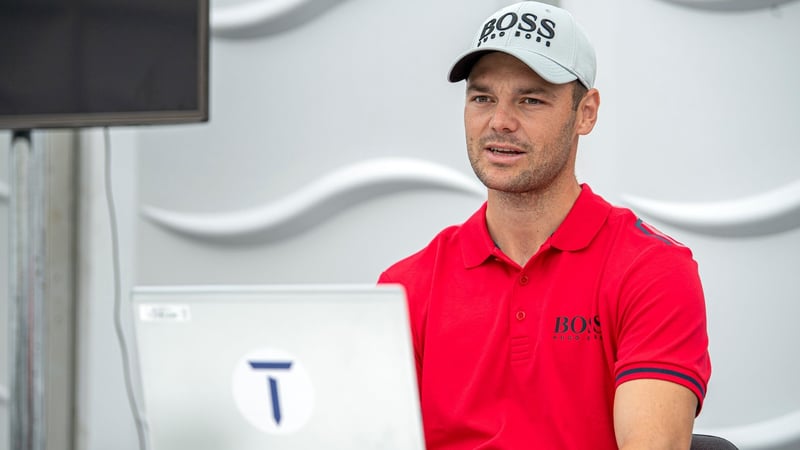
x,y
141,426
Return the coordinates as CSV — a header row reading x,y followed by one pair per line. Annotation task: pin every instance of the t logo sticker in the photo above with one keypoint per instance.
x,y
273,391
273,383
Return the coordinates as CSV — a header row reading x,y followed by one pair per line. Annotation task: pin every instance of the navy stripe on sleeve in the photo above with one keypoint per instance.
x,y
666,372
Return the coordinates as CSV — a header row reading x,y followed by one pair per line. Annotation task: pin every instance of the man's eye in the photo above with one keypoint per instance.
x,y
531,101
480,99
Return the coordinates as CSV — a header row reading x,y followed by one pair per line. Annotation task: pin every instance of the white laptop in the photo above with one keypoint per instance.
x,y
277,367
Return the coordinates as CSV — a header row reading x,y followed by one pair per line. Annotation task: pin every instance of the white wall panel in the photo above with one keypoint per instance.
x,y
361,83
103,418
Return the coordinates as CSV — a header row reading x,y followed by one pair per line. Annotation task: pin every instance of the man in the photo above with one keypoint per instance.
x,y
549,319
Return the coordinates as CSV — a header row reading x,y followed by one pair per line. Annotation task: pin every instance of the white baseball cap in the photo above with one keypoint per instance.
x,y
544,37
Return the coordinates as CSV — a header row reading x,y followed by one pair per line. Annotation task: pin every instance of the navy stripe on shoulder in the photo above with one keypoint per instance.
x,y
666,372
649,232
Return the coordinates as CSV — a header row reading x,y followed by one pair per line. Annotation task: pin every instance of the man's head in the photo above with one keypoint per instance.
x,y
546,38
529,97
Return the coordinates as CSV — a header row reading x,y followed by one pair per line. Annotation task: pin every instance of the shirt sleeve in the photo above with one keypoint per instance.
x,y
661,321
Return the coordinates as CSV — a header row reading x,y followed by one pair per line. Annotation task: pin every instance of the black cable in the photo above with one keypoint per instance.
x,y
137,414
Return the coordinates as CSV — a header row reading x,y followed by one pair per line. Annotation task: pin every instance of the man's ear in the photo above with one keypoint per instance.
x,y
587,112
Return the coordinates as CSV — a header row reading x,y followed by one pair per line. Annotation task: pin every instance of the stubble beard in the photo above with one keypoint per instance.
x,y
547,162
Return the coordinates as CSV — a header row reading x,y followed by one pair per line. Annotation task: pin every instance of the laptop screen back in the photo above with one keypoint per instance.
x,y
283,367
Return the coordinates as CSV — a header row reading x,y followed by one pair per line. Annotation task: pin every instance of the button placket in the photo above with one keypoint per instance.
x,y
520,333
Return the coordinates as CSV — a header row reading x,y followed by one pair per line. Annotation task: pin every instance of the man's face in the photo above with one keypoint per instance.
x,y
520,129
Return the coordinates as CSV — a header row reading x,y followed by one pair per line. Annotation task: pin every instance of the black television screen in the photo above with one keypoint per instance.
x,y
82,63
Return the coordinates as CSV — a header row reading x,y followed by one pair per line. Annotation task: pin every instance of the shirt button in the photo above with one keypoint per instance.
x,y
523,280
520,315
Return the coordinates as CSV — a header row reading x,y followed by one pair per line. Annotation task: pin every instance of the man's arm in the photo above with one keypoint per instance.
x,y
654,414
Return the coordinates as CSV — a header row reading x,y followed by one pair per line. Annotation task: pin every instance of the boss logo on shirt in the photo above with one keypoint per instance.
x,y
526,26
577,328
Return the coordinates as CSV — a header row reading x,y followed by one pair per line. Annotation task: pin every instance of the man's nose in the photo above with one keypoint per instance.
x,y
504,119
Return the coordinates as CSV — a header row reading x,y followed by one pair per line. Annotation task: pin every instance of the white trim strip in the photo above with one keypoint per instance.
x,y
316,202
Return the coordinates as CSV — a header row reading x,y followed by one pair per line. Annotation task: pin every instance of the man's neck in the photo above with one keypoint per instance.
x,y
520,223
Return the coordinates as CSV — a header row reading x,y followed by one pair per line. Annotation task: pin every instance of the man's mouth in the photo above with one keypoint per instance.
x,y
503,151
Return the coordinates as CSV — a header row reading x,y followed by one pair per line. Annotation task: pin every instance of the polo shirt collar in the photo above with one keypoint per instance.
x,y
476,243
581,225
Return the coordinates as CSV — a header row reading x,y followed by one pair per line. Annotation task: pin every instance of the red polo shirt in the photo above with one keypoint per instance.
x,y
512,357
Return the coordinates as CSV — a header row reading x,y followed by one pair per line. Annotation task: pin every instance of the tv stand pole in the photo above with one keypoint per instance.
x,y
26,294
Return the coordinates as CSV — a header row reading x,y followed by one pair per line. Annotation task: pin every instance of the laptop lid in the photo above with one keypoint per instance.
x,y
277,367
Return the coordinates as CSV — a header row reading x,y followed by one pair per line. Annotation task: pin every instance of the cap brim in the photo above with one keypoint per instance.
x,y
542,65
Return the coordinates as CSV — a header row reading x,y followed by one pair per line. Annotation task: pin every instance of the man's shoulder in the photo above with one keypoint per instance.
x,y
596,223
637,231
420,262
449,246
635,247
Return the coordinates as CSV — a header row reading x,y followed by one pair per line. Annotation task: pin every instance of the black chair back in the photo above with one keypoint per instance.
x,y
708,442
